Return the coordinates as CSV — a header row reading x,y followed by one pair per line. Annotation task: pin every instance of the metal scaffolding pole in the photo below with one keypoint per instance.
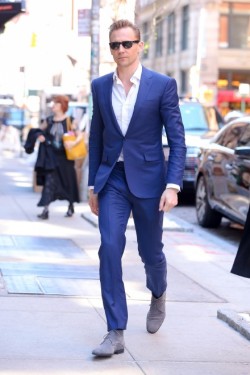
x,y
94,73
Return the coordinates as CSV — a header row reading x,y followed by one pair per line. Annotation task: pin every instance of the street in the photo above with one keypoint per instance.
x,y
228,231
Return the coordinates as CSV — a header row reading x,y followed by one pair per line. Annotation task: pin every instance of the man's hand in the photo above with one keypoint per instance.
x,y
169,199
93,202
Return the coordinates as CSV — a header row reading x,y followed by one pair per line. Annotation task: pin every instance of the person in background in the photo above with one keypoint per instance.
x,y
3,124
241,265
83,127
127,173
59,182
10,136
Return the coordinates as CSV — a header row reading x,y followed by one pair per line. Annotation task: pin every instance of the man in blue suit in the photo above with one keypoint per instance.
x,y
128,173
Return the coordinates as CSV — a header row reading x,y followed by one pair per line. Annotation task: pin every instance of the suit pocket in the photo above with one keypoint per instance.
x,y
108,159
152,156
104,159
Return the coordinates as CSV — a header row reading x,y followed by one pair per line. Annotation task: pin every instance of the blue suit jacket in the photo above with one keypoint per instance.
x,y
157,105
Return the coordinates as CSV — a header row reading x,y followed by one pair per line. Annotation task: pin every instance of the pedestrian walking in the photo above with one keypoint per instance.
x,y
60,180
127,173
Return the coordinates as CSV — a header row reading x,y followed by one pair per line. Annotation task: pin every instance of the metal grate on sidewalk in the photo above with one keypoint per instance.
x,y
46,266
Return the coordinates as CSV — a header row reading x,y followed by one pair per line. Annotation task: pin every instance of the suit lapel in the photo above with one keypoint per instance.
x,y
145,84
107,93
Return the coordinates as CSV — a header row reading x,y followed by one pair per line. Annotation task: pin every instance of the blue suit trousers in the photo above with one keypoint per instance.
x,y
115,205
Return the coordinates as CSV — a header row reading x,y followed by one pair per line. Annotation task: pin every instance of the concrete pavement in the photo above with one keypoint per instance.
x,y
50,307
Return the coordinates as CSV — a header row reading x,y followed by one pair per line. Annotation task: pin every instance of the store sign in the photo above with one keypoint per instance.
x,y
10,7
244,89
84,22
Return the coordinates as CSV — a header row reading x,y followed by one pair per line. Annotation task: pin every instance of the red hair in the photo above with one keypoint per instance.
x,y
63,100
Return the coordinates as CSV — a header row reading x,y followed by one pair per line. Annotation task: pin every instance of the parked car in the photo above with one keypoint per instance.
x,y
223,176
201,122
233,115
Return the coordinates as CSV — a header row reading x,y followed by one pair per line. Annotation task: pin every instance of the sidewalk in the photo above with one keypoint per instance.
x,y
50,305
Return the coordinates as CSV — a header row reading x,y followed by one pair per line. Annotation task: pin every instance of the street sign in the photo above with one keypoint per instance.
x,y
244,92
84,22
244,89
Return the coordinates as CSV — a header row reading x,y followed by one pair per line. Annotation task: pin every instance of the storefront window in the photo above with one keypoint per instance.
x,y
230,80
229,97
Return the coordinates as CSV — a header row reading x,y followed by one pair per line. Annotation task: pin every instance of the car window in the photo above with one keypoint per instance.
x,y
230,137
215,120
193,117
244,140
198,117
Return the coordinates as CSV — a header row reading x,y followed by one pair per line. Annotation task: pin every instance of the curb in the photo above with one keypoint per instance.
x,y
239,321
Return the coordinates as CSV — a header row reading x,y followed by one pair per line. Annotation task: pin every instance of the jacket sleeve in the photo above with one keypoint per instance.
x,y
171,116
31,140
95,139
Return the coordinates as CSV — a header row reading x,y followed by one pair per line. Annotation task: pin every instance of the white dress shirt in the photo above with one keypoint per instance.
x,y
123,105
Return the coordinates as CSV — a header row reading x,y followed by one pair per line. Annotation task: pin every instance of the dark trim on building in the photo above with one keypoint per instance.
x,y
9,10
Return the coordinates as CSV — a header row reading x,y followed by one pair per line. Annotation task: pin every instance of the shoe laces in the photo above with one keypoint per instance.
x,y
108,336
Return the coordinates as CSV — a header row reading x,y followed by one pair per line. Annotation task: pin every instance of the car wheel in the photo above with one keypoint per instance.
x,y
206,216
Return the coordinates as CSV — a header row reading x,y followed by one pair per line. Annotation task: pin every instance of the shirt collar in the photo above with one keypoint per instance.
x,y
135,77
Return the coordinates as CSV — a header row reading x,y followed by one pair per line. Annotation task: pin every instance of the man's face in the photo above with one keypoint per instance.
x,y
122,56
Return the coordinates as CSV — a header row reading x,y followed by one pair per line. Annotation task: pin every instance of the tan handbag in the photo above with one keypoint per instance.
x,y
79,151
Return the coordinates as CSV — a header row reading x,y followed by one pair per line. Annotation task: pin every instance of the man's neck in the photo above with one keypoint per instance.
x,y
125,73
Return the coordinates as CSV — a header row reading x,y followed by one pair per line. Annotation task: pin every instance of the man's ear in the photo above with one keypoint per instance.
x,y
141,45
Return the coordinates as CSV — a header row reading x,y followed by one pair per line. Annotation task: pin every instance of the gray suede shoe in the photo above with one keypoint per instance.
x,y
113,343
156,314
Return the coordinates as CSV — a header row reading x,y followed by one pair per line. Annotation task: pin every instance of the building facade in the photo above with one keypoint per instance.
x,y
204,45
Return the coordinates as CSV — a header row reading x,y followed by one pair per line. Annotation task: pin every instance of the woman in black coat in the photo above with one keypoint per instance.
x,y
60,182
241,265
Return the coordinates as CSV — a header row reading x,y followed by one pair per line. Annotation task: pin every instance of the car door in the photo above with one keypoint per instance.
x,y
222,161
238,178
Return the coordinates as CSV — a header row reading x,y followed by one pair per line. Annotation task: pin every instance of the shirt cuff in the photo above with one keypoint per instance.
x,y
173,186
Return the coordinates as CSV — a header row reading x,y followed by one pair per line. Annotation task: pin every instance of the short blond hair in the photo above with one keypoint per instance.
x,y
121,24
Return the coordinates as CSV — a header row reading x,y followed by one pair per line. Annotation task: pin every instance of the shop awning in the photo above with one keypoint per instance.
x,y
230,96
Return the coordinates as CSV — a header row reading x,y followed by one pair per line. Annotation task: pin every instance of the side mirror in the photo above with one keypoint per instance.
x,y
243,151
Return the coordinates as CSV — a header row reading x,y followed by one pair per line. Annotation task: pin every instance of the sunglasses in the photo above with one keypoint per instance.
x,y
126,44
